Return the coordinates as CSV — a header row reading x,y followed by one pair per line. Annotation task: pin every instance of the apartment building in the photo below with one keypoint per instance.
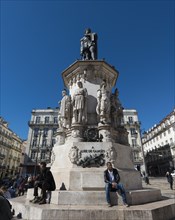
x,y
41,139
132,124
159,146
10,150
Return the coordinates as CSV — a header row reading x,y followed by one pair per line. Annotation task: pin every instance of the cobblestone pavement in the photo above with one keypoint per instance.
x,y
162,184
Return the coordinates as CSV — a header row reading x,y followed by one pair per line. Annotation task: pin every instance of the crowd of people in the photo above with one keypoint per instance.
x,y
11,188
16,186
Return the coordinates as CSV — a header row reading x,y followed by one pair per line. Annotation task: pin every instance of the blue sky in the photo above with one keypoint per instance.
x,y
40,39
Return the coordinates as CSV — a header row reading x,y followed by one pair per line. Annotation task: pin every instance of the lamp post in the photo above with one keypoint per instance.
x,y
144,161
38,146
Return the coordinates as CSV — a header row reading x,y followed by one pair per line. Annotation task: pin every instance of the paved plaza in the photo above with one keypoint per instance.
x,y
162,184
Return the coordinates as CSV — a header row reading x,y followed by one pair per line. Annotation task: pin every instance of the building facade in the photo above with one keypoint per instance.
x,y
42,127
132,124
10,150
159,146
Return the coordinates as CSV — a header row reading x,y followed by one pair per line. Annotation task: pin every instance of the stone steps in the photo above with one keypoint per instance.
x,y
161,210
134,197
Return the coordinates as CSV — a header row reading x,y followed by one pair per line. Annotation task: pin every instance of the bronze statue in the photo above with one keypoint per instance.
x,y
88,48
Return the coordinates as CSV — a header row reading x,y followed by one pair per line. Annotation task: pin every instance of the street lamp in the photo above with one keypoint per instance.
x,y
38,146
143,154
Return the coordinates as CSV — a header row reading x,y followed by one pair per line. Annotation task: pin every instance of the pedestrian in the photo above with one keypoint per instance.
x,y
169,179
146,178
112,180
45,181
22,186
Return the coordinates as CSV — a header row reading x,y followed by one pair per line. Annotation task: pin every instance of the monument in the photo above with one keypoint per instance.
x,y
90,134
91,131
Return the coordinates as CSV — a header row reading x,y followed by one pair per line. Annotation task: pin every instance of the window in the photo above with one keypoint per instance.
x,y
45,133
55,120
46,119
130,119
134,143
133,131
34,143
38,119
36,132
44,143
43,155
33,155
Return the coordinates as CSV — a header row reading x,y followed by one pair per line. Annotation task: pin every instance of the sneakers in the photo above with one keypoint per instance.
x,y
126,205
32,200
109,205
43,201
35,200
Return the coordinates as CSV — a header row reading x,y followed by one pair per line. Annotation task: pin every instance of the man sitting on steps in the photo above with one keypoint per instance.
x,y
112,178
46,182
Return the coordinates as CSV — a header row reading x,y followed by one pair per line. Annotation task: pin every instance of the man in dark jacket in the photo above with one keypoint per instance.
x,y
46,182
112,179
5,208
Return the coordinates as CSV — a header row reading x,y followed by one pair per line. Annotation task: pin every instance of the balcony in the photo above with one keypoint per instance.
x,y
5,144
42,123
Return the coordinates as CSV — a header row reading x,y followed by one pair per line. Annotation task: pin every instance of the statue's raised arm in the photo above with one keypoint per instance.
x,y
88,45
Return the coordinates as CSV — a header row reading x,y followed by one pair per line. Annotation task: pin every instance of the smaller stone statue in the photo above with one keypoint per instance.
x,y
116,109
103,103
65,110
88,45
79,102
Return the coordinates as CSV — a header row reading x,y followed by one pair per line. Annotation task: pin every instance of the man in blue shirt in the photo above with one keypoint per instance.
x,y
112,179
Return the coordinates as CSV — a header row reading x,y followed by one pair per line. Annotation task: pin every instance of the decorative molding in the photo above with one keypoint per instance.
x,y
87,158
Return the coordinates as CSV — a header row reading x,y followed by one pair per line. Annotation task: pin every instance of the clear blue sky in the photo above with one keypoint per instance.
x,y
40,39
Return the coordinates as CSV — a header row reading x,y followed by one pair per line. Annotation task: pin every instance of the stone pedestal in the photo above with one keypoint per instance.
x,y
80,165
80,162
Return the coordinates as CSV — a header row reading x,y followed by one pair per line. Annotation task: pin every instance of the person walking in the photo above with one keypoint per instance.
x,y
146,178
112,180
45,181
169,179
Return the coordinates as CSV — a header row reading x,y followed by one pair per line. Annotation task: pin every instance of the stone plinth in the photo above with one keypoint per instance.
x,y
80,165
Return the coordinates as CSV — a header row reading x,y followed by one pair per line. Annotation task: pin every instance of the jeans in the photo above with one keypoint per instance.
x,y
119,187
43,185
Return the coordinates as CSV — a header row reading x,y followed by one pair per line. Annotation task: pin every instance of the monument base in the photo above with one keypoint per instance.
x,y
80,165
161,210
